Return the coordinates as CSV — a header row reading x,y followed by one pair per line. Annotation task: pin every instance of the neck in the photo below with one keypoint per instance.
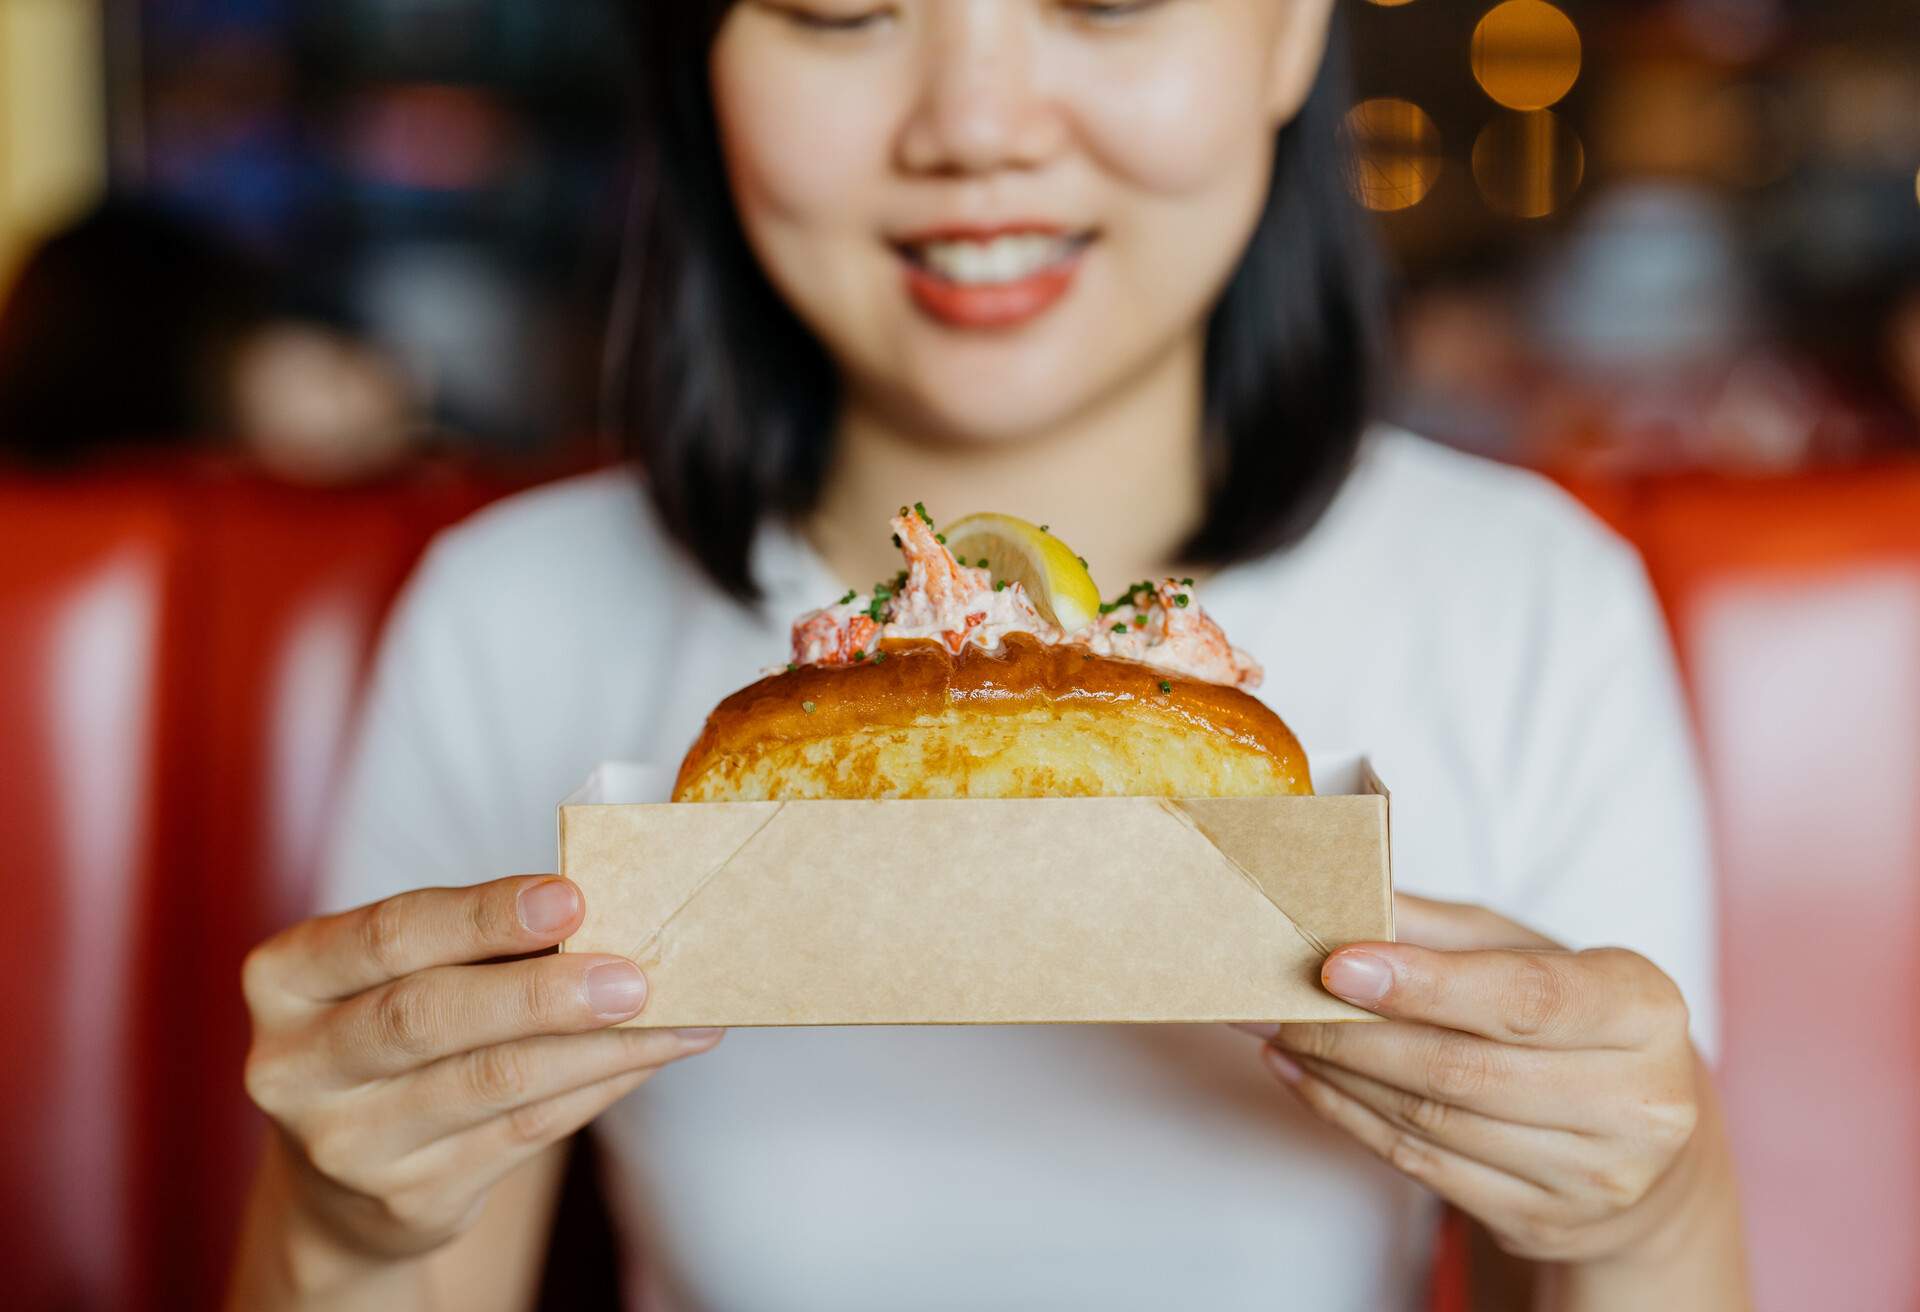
x,y
1121,479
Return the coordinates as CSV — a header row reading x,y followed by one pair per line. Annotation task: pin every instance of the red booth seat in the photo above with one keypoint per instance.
x,y
89,582
181,650
1795,607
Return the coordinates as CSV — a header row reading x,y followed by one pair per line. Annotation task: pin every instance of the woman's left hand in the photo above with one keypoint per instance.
x,y
1554,1096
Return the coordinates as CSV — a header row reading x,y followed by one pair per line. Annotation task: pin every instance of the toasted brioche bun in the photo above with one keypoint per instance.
x,y
1028,720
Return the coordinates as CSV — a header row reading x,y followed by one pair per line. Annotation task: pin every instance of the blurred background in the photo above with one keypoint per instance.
x,y
419,199
287,285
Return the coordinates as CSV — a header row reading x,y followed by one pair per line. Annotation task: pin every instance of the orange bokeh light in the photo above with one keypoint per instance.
x,y
1397,153
1526,54
1528,165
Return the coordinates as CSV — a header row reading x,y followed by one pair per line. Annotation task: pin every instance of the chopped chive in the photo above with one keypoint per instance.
x,y
1139,621
1131,597
1046,528
879,658
1186,583
1183,601
1001,586
1165,686
941,538
1119,628
851,594
1083,563
807,707
858,657
920,508
897,542
792,666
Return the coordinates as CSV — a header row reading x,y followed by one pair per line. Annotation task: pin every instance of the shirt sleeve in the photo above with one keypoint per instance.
x,y
1607,840
414,810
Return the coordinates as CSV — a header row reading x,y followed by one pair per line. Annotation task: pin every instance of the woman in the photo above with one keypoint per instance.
x,y
1090,263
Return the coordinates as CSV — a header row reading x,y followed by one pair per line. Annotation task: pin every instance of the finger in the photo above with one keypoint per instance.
x,y
1606,998
1476,1188
1459,926
337,957
1550,1158
433,1014
489,1152
472,1088
1527,1086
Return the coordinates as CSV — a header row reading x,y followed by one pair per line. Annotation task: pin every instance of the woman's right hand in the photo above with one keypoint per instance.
x,y
412,1053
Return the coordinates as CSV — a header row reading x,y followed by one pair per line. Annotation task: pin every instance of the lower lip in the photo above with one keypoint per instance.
x,y
992,305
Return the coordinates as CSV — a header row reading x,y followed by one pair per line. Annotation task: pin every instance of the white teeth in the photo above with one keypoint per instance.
x,y
1003,259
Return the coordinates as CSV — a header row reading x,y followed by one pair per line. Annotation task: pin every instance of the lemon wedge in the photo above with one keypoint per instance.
x,y
1053,575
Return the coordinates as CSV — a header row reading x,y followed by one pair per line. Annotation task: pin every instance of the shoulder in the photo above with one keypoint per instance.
x,y
1455,542
538,555
578,521
1446,598
1465,511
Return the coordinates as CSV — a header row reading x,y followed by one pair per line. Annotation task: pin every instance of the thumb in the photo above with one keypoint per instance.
x,y
1459,926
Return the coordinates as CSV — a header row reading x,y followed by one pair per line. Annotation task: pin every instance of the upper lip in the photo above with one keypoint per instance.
x,y
983,232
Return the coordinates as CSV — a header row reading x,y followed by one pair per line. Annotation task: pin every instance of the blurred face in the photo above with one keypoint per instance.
x,y
996,213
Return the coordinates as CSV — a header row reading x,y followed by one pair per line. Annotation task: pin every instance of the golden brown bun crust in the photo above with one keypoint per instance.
x,y
1028,720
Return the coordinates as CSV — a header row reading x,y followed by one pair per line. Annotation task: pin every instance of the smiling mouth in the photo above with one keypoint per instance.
x,y
991,279
1000,260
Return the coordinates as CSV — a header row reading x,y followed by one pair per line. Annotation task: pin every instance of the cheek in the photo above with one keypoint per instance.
x,y
1189,152
788,168
1192,123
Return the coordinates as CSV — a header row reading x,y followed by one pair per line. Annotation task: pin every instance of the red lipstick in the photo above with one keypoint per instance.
x,y
976,305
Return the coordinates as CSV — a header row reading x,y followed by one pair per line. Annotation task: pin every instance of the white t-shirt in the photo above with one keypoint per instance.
x,y
1496,650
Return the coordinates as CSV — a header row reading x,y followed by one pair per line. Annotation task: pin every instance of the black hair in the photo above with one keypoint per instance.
x,y
727,401
116,331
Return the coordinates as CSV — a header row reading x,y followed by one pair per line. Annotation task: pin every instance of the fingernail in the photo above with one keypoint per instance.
x,y
699,1036
1260,1031
616,990
1284,1066
549,907
1358,977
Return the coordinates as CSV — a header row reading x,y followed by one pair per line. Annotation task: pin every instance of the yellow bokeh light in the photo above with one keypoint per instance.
x,y
1397,156
1526,54
1528,165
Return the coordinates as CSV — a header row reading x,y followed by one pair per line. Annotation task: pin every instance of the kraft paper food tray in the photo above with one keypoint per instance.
x,y
977,912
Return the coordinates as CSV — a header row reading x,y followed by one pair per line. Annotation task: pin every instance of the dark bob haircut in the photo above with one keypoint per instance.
x,y
728,403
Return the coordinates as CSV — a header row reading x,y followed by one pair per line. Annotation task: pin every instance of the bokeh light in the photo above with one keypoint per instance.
x,y
1397,153
1732,31
1526,54
1528,165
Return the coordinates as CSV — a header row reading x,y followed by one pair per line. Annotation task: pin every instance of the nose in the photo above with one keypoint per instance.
x,y
981,105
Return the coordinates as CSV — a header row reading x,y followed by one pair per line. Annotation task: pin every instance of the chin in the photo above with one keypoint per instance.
x,y
1013,415
999,390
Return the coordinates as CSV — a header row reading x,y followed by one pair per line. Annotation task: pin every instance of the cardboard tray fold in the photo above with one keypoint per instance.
x,y
978,912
